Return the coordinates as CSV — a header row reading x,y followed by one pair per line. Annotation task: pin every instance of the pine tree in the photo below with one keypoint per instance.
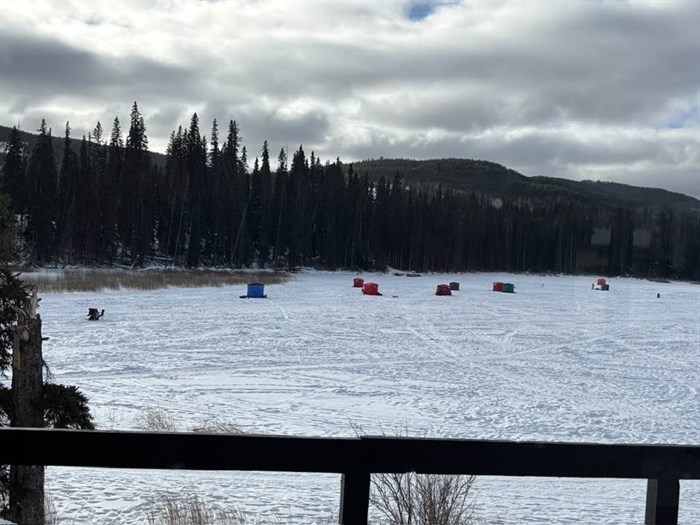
x,y
318,182
691,242
134,228
7,227
110,197
175,199
42,180
278,232
266,217
13,169
232,199
67,183
255,208
243,247
335,203
100,196
296,207
84,220
216,203
195,163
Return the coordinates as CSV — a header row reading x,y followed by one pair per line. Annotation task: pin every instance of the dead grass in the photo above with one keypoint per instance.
x,y
158,420
422,499
96,280
172,509
50,513
155,419
661,280
218,426
178,509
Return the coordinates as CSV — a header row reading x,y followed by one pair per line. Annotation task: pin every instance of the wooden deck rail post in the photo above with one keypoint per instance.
x,y
27,481
354,498
662,502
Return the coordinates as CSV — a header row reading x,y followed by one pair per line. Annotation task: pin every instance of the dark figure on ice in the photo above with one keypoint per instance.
x,y
94,314
658,295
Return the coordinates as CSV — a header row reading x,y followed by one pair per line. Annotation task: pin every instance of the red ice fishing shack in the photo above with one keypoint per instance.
x,y
371,289
443,289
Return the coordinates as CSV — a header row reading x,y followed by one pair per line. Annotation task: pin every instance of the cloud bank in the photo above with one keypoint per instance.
x,y
604,90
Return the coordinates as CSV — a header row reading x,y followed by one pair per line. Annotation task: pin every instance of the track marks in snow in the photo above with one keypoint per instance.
x,y
433,340
550,362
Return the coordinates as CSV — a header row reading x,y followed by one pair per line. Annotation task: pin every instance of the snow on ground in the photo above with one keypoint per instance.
x,y
554,361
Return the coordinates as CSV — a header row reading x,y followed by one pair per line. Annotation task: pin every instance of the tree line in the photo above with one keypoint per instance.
x,y
109,203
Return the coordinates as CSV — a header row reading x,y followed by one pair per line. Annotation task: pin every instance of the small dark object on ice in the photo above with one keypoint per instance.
x,y
658,295
94,314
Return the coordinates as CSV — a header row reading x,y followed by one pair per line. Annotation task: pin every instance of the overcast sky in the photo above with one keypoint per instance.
x,y
604,90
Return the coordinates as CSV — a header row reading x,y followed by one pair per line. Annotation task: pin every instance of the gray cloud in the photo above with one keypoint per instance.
x,y
308,128
50,68
580,89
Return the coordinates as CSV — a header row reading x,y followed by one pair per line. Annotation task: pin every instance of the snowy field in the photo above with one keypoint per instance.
x,y
554,361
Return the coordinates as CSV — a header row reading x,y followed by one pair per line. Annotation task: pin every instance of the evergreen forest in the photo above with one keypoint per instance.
x,y
209,202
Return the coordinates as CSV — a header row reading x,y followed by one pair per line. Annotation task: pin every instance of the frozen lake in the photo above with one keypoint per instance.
x,y
554,361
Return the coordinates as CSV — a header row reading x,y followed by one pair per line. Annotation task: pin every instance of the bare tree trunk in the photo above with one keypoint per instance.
x,y
27,481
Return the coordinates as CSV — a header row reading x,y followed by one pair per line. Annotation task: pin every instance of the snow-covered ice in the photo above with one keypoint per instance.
x,y
555,361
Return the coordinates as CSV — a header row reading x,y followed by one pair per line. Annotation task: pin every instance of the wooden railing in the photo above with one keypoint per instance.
x,y
356,458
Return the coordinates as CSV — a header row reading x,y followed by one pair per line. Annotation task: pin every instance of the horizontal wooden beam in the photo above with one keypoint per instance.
x,y
196,451
547,459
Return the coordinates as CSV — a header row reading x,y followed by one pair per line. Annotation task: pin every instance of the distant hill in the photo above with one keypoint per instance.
x,y
483,177
467,175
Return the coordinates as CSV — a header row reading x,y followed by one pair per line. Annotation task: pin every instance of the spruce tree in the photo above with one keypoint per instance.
x,y
134,227
101,189
110,199
7,227
13,169
42,180
255,208
243,247
278,233
195,163
85,220
232,198
298,200
215,204
67,204
266,214
175,186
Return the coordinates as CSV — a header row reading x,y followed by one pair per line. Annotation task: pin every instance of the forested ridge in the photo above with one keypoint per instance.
x,y
481,176
106,199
